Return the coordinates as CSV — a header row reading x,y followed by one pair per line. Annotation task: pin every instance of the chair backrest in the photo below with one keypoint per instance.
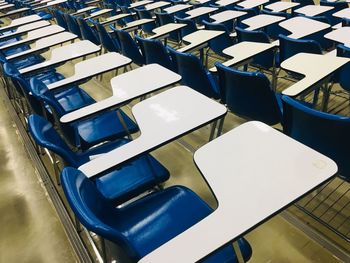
x,y
337,7
72,25
290,47
194,74
165,18
345,22
344,72
87,32
223,41
60,19
109,43
129,48
304,2
155,52
189,28
248,94
250,12
326,133
274,30
46,136
145,14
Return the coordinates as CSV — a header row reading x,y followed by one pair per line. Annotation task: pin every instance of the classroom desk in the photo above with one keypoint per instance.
x,y
302,26
84,10
98,13
341,35
199,39
164,31
127,87
34,35
243,52
140,3
20,22
131,26
226,15
21,30
15,12
260,21
92,67
177,8
50,3
226,2
43,44
313,10
344,13
281,6
284,170
161,118
4,7
199,11
63,54
156,5
316,69
252,3
93,2
113,19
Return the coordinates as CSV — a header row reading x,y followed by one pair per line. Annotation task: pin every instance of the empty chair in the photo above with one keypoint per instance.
x,y
342,76
189,28
326,133
220,43
250,12
145,224
249,94
194,75
263,60
129,47
290,47
106,126
337,7
145,14
155,52
72,25
87,32
109,43
274,30
119,185
60,19
319,36
165,18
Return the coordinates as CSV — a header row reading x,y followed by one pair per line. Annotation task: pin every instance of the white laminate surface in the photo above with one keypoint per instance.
x,y
226,2
345,13
200,11
252,3
176,8
161,118
281,6
156,5
15,12
84,10
43,43
127,87
262,20
341,35
93,67
243,51
113,19
226,16
199,38
36,34
3,7
313,67
301,26
162,31
63,54
21,21
254,171
25,28
99,13
140,3
313,10
137,23
50,3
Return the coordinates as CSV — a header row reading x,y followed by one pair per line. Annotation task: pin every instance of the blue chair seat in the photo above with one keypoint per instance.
x,y
145,224
105,126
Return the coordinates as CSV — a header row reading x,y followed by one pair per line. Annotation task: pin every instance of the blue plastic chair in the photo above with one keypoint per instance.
x,y
220,43
88,132
165,18
189,28
194,75
129,48
72,25
87,32
108,42
249,94
342,76
145,14
326,133
264,60
337,7
159,217
60,19
250,12
304,2
274,30
119,185
155,52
